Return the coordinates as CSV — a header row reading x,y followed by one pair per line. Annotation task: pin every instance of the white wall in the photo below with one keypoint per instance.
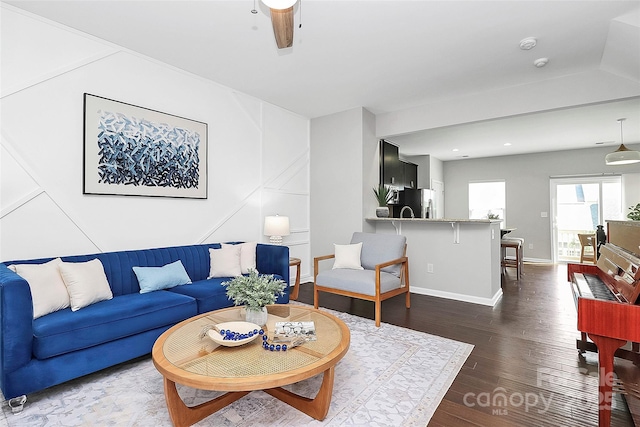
x,y
258,159
370,168
631,191
528,189
336,179
344,169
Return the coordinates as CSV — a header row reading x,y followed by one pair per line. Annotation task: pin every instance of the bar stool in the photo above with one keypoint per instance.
x,y
517,244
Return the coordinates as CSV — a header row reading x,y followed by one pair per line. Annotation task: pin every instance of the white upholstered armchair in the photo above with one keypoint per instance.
x,y
374,267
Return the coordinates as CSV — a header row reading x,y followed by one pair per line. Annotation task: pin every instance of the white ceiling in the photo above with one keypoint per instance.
x,y
564,129
390,55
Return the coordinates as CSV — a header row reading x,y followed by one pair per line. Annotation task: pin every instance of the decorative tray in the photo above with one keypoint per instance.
x,y
239,327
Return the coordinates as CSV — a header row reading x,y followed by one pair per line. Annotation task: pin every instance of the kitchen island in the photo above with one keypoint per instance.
x,y
451,258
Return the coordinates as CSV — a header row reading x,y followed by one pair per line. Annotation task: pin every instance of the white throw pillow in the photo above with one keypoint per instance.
x,y
225,262
348,256
86,283
247,256
48,291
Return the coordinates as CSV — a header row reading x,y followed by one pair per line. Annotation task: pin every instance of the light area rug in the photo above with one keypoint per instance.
x,y
390,376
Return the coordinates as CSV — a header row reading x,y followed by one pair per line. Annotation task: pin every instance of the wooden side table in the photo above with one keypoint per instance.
x,y
295,262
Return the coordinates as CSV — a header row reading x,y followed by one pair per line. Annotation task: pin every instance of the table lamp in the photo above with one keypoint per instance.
x,y
275,227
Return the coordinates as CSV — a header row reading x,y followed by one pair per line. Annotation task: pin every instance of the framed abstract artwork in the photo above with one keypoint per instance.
x,y
135,151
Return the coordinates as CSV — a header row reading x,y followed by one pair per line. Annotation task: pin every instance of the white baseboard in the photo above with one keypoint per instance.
x,y
440,294
537,260
533,260
303,279
459,297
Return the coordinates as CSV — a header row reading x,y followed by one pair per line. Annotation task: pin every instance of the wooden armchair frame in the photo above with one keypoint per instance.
x,y
586,240
378,297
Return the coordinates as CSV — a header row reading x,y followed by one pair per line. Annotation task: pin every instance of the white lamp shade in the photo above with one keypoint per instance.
x,y
279,4
622,156
276,225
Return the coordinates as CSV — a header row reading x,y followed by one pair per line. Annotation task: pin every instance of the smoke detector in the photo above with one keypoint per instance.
x,y
528,43
540,62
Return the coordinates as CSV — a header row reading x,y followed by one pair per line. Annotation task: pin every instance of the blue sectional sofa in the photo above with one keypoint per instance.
x,y
57,347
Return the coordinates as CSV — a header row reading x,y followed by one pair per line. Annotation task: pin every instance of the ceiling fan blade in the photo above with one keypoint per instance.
x,y
282,21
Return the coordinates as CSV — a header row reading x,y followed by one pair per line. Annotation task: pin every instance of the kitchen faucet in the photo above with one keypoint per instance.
x,y
410,211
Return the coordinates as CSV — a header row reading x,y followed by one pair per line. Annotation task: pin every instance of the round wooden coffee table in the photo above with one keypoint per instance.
x,y
182,357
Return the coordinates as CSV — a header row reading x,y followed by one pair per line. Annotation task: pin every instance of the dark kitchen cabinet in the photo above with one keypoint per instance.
x,y
391,169
394,171
410,174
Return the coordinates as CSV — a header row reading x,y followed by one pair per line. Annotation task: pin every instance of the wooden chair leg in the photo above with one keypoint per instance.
x,y
378,311
407,302
521,258
315,296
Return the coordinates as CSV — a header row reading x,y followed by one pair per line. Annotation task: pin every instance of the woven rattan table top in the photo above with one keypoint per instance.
x,y
219,367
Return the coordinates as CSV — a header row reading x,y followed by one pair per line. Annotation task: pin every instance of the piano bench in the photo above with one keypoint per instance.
x,y
517,244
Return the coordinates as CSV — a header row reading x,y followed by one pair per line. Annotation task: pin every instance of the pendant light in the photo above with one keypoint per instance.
x,y
622,156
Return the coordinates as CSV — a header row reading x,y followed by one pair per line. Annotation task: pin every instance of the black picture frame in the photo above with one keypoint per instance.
x,y
136,151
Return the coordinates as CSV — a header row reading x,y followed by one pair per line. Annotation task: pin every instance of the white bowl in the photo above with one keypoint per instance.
x,y
240,327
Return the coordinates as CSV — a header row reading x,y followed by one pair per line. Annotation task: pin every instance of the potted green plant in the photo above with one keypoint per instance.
x,y
255,291
383,196
634,215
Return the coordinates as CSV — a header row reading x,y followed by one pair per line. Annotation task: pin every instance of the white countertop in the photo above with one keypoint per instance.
x,y
427,220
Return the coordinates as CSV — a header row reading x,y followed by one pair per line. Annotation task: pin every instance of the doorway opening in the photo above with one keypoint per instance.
x,y
579,205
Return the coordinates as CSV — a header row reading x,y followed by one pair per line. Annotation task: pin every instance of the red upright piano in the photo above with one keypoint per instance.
x,y
606,296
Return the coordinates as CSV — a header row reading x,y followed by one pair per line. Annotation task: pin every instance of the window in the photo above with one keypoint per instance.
x,y
487,198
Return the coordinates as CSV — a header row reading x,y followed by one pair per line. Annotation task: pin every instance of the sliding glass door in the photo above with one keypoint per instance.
x,y
579,204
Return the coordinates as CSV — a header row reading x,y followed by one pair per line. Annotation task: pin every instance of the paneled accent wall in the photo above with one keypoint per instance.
x,y
258,158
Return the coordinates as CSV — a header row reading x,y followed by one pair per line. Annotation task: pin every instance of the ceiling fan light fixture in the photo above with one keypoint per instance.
x,y
279,4
622,156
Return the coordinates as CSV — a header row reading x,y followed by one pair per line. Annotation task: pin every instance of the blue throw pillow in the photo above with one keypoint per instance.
x,y
156,278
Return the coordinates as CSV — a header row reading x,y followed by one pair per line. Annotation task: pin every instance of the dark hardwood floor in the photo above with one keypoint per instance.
x,y
524,369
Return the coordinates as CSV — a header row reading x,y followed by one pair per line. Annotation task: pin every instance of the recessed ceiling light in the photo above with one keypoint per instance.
x,y
528,43
455,149
506,144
